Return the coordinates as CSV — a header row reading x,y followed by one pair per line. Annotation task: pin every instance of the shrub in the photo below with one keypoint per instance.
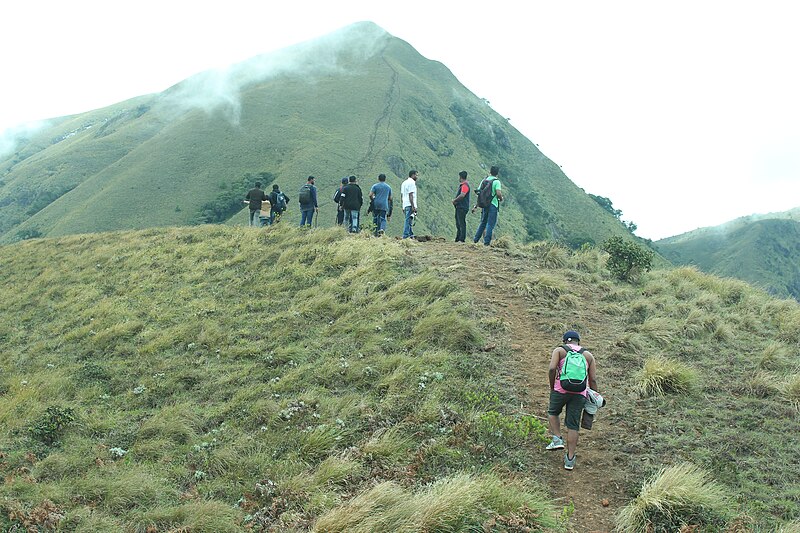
x,y
660,375
627,260
51,425
791,390
678,496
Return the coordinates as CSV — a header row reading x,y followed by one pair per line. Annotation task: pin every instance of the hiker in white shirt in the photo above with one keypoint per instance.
x,y
409,193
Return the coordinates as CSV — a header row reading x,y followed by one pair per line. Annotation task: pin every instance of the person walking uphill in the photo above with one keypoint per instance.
x,y
572,372
381,196
409,193
307,198
461,203
254,198
337,199
352,200
489,198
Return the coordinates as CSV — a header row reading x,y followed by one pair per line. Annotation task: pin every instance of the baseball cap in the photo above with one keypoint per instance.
x,y
571,335
344,180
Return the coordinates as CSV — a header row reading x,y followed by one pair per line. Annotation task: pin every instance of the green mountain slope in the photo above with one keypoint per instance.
x,y
228,379
358,101
762,251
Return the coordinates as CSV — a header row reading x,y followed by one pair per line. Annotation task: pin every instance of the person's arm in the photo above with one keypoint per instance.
x,y
391,205
499,195
592,371
314,196
411,199
555,357
461,195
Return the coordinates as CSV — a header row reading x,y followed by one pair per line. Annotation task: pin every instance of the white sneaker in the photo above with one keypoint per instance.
x,y
556,444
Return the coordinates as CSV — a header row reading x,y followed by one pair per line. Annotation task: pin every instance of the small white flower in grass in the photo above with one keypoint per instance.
x,y
50,365
139,390
117,453
23,382
190,346
199,475
340,422
275,380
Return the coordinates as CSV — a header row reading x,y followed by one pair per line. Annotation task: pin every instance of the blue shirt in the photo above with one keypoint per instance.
x,y
382,192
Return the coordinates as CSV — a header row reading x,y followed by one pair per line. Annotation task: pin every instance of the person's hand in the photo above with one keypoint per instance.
x,y
474,208
316,209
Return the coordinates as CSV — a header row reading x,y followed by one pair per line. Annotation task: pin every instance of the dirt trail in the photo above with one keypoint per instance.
x,y
492,274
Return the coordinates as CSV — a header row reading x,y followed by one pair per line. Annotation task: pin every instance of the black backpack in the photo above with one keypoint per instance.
x,y
304,196
485,192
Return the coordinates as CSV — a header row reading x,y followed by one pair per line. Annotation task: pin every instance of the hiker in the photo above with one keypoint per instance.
x,y
278,202
461,203
490,206
307,198
337,199
352,200
381,196
572,371
254,198
408,191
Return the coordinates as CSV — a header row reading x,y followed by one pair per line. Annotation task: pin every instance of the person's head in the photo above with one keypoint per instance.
x,y
571,336
344,181
311,180
462,176
275,187
258,185
381,177
413,174
494,171
352,179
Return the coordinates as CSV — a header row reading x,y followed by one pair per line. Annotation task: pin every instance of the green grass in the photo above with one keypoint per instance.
x,y
163,378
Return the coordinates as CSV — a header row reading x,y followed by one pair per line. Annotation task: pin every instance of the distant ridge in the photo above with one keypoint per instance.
x,y
761,249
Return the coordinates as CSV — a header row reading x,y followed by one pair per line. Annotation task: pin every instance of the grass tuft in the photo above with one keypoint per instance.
x,y
660,375
678,496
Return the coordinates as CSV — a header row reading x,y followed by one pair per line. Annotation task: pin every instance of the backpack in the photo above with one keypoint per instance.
x,y
485,193
575,372
304,197
279,204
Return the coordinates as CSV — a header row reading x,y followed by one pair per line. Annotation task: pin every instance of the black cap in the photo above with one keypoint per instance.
x,y
571,335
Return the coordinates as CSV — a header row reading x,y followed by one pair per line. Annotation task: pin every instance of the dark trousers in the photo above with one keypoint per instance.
x,y
340,216
461,224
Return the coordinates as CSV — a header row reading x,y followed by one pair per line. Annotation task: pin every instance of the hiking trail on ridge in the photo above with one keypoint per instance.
x,y
534,324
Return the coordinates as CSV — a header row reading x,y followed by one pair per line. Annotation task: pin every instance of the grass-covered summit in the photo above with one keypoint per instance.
x,y
358,101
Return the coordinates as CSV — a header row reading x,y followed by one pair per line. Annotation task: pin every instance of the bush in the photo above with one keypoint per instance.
x,y
627,260
678,496
51,425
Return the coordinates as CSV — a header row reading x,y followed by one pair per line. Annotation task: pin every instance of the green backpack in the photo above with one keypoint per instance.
x,y
575,372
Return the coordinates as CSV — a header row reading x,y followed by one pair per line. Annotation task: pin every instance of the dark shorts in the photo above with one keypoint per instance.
x,y
574,403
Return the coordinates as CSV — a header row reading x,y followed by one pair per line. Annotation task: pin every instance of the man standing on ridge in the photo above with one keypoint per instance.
x,y
352,200
254,198
490,210
381,196
574,400
409,193
461,203
307,198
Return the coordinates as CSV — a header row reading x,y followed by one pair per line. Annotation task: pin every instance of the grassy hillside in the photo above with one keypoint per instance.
x,y
218,378
358,101
765,252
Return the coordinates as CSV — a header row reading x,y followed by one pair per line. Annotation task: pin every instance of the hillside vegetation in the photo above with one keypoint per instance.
x,y
358,101
218,379
762,251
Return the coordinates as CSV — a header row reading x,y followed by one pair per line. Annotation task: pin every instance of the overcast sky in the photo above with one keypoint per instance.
x,y
684,113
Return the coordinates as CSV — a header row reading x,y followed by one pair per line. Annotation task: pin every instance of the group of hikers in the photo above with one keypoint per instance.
x,y
350,200
572,371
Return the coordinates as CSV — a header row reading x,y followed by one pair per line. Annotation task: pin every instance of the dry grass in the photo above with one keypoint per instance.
x,y
660,375
677,496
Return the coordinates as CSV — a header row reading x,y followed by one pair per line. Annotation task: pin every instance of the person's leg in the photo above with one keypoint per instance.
x,y
303,218
491,221
356,220
572,420
340,217
310,216
407,225
482,225
252,215
556,404
461,225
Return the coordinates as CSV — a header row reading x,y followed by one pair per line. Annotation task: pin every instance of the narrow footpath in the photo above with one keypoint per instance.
x,y
534,329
